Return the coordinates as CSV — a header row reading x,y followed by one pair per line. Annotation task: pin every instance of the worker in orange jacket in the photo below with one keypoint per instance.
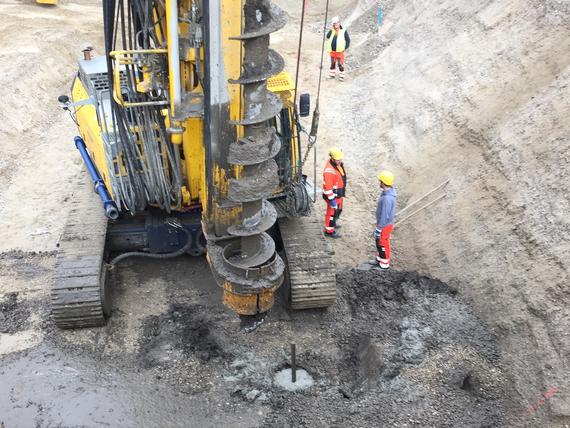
x,y
334,187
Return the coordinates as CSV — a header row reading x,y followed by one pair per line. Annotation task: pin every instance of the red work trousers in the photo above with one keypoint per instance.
x,y
337,57
331,215
383,246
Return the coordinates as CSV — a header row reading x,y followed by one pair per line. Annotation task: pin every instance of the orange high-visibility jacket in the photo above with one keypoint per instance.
x,y
333,181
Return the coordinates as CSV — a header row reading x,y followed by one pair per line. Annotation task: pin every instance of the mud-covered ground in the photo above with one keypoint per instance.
x,y
474,92
397,349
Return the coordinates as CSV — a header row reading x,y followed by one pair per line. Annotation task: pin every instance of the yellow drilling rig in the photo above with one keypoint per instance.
x,y
190,135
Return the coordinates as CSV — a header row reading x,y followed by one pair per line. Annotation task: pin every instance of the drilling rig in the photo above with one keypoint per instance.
x,y
191,139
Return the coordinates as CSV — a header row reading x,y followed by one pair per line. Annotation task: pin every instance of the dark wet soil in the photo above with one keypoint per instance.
x,y
182,328
13,316
410,354
397,349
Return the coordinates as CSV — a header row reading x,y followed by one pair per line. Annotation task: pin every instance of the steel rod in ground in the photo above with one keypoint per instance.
x,y
293,364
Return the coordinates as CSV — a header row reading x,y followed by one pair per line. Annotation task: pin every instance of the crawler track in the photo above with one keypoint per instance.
x,y
78,292
311,270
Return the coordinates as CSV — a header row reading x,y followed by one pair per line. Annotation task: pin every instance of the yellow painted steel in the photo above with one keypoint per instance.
x,y
121,57
194,158
224,213
282,84
192,137
90,130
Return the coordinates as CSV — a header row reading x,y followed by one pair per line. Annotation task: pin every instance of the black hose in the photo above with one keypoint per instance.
x,y
176,253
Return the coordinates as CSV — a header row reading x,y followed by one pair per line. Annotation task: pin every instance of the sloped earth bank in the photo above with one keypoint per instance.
x,y
474,92
398,349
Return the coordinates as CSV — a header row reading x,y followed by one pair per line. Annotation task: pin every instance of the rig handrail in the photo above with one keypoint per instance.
x,y
119,57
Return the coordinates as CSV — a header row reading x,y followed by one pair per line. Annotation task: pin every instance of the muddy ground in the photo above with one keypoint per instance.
x,y
473,92
398,349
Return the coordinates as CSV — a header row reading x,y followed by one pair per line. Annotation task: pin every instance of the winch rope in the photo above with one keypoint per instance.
x,y
312,135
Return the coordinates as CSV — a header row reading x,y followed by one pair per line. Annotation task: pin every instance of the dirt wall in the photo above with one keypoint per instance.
x,y
474,92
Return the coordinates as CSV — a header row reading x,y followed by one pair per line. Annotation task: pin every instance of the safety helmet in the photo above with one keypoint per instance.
x,y
386,177
335,20
336,153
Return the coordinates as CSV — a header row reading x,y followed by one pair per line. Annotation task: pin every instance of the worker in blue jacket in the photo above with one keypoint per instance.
x,y
385,213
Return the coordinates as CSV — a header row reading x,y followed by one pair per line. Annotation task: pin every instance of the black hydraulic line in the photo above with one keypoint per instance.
x,y
176,253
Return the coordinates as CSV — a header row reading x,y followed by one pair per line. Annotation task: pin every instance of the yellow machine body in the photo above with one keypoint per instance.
x,y
200,187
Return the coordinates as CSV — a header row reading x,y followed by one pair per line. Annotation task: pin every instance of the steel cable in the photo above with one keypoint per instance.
x,y
151,162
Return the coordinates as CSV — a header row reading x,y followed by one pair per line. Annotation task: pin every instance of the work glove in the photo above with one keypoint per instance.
x,y
334,205
377,233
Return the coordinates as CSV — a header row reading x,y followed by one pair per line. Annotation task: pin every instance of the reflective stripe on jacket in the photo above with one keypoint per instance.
x,y
340,39
332,180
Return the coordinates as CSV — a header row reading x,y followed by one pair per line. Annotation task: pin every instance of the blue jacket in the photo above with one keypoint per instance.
x,y
386,209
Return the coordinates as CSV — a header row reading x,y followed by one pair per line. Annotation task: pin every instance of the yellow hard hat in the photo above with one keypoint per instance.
x,y
386,177
336,153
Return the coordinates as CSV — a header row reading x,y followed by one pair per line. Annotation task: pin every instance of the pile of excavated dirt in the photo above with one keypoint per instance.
x,y
407,352
398,349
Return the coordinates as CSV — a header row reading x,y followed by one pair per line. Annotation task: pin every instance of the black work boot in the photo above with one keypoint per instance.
x,y
335,234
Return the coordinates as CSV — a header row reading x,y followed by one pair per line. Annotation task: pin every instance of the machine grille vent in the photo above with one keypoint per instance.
x,y
100,81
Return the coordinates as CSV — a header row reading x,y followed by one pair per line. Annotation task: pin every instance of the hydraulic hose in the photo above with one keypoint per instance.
x,y
176,253
111,210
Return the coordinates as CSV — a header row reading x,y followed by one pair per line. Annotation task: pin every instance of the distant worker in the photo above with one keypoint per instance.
x,y
338,41
385,213
334,186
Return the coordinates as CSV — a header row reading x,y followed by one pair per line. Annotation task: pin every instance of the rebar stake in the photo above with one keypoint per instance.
x,y
293,364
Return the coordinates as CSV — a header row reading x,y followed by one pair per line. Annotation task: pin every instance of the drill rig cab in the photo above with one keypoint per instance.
x,y
189,134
